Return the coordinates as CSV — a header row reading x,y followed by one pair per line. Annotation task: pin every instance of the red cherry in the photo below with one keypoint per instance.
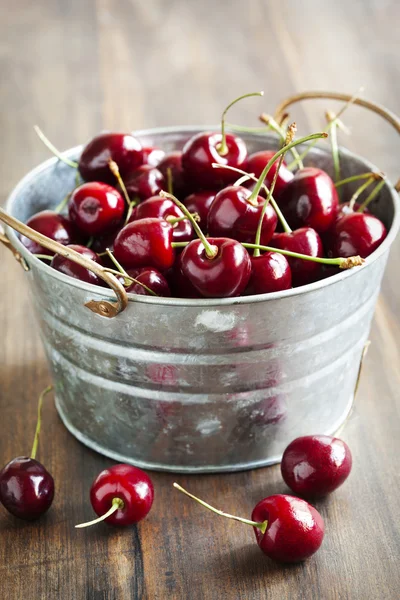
x,y
316,465
152,156
52,225
122,148
125,492
26,488
180,285
202,150
172,164
270,272
96,208
200,203
162,208
223,276
357,233
304,241
295,529
258,161
144,182
345,209
232,215
152,279
146,242
72,269
310,199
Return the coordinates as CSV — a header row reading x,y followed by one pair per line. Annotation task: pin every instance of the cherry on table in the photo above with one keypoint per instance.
x,y
316,465
304,241
72,269
96,208
121,495
144,182
145,242
122,148
54,226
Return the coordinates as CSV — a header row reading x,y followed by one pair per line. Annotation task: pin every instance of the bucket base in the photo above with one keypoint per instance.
x,y
152,466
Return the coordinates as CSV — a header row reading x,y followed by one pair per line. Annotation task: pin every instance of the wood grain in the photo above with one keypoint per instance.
x,y
76,67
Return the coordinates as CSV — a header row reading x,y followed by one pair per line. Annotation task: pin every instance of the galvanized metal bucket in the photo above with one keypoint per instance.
x,y
200,385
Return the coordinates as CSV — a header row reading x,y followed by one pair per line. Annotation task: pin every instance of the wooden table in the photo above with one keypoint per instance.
x,y
75,67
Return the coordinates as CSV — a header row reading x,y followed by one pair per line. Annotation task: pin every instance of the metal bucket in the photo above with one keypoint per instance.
x,y
202,385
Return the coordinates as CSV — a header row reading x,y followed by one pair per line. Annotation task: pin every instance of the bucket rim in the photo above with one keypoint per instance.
x,y
201,302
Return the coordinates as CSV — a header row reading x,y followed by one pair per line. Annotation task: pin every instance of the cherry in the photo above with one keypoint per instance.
x,y
270,272
310,199
172,169
146,242
152,156
72,269
258,161
52,225
121,495
357,233
304,241
152,279
144,182
122,148
204,149
200,203
26,487
180,285
294,529
287,529
164,208
316,465
235,213
96,208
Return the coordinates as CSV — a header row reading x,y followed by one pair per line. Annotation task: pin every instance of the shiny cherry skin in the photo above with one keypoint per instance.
x,y
295,529
232,215
316,465
201,151
54,226
357,234
344,209
143,243
200,203
152,156
310,200
96,208
270,272
144,182
224,276
122,148
131,485
173,162
256,164
304,241
162,208
72,269
26,488
180,285
151,278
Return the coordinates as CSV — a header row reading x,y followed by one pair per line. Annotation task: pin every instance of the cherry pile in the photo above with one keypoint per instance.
x,y
181,224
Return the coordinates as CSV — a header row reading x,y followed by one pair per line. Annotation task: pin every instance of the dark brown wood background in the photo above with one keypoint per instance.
x,y
77,66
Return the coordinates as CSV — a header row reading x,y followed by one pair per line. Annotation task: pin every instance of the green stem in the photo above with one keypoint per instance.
x,y
170,185
359,191
53,149
116,504
44,257
60,207
357,178
211,251
39,420
335,152
372,195
222,147
343,263
90,242
121,271
260,525
282,134
115,171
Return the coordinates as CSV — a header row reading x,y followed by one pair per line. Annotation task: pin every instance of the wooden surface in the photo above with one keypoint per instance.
x,y
76,66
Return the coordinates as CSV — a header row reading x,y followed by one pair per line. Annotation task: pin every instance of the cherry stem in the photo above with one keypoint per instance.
x,y
44,256
60,207
260,525
289,138
334,145
116,504
358,177
170,185
121,271
270,121
90,241
278,211
372,195
39,420
243,179
115,171
53,149
343,263
359,191
211,251
222,147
